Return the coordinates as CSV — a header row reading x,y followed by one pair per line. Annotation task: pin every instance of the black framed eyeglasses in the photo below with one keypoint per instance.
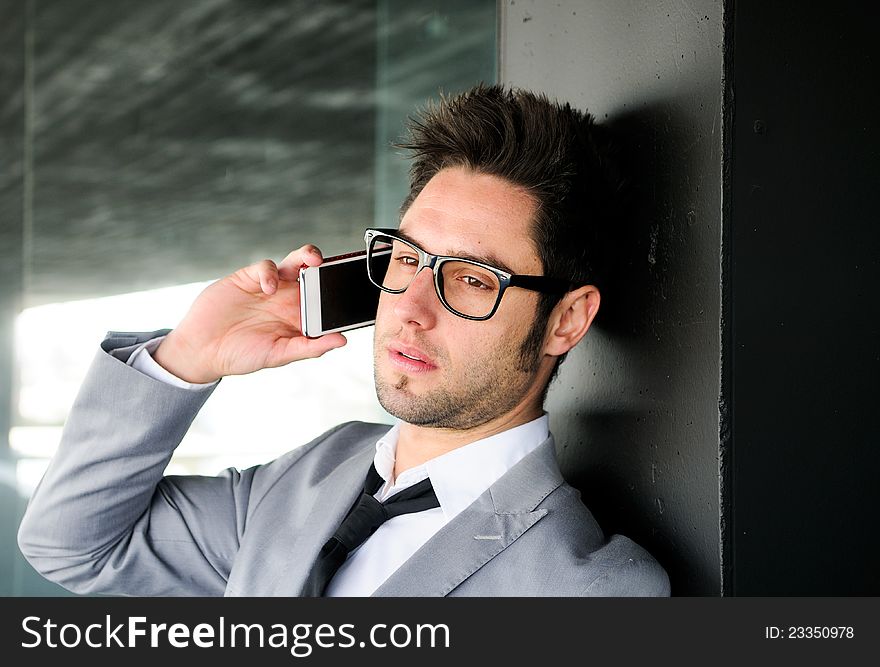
x,y
465,287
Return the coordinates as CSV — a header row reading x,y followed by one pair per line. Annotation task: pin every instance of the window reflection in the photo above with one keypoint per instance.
x,y
170,145
249,419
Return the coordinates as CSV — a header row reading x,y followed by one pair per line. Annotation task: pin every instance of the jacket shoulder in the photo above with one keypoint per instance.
x,y
609,567
323,453
624,569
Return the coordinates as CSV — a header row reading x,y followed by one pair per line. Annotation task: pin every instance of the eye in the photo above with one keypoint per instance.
x,y
410,261
474,282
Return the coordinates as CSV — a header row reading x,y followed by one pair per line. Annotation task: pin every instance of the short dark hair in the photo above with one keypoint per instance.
x,y
557,154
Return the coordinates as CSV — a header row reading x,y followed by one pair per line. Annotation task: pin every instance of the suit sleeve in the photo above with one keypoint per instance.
x,y
104,520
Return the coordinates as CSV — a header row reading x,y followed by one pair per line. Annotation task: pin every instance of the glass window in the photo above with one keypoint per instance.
x,y
159,146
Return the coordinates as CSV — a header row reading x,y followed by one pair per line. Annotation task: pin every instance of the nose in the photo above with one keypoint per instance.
x,y
419,303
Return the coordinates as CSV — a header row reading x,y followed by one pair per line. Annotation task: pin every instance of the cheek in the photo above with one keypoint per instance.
x,y
516,314
474,344
520,306
517,331
384,308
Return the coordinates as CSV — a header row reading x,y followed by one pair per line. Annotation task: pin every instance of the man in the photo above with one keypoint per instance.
x,y
491,283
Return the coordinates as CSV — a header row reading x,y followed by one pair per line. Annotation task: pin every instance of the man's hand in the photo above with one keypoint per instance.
x,y
247,321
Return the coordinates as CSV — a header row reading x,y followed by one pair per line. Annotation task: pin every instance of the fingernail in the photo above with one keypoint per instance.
x,y
271,284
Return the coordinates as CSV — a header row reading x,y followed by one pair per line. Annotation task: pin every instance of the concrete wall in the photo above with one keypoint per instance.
x,y
635,408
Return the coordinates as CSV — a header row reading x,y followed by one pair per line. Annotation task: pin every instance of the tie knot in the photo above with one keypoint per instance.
x,y
368,514
362,521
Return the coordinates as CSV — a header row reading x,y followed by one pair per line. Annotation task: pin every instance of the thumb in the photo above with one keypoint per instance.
x,y
301,347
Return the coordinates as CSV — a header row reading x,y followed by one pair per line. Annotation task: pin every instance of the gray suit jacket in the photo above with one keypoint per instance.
x,y
105,520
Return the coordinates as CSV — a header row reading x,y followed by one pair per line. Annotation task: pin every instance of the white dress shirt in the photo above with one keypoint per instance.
x,y
459,477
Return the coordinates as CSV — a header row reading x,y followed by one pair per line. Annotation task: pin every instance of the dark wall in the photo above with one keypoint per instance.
x,y
635,408
802,321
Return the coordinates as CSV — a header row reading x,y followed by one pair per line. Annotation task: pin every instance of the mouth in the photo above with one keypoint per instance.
x,y
410,359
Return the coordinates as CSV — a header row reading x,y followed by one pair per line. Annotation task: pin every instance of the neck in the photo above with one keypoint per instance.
x,y
418,444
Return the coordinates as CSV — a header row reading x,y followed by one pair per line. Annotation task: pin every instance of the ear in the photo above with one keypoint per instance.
x,y
570,320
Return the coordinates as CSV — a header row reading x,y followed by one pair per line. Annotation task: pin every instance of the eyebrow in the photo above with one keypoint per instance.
x,y
491,259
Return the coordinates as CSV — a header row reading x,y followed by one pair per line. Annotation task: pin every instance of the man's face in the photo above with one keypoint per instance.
x,y
465,373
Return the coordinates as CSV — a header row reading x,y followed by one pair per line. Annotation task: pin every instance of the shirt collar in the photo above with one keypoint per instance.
x,y
461,476
386,450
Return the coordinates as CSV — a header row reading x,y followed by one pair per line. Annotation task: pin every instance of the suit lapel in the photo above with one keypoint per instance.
x,y
493,522
332,497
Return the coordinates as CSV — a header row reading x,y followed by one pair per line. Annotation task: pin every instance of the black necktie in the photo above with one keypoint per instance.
x,y
362,521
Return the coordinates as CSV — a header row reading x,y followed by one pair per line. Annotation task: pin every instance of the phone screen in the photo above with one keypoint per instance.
x,y
347,295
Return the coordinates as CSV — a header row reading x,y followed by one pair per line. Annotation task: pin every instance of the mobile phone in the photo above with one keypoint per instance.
x,y
338,294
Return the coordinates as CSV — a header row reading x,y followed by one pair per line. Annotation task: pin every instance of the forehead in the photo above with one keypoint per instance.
x,y
462,212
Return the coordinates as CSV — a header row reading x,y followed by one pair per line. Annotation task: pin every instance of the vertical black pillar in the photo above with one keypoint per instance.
x,y
801,346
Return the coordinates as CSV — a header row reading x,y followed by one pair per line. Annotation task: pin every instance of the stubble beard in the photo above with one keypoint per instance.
x,y
486,389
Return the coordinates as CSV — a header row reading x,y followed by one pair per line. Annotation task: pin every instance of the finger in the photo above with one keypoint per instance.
x,y
309,348
267,272
309,255
263,273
